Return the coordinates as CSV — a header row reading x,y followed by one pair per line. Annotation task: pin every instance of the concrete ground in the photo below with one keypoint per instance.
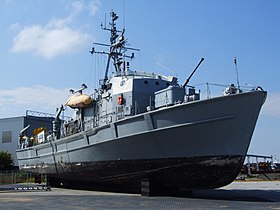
x,y
238,195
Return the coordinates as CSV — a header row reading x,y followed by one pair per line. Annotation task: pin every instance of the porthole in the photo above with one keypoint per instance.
x,y
146,82
157,83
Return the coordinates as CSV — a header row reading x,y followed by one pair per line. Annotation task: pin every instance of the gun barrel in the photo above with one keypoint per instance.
x,y
187,81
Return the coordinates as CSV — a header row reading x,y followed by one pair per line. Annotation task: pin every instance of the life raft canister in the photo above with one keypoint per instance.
x,y
79,101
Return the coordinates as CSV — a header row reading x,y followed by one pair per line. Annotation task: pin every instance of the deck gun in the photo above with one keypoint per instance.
x,y
187,80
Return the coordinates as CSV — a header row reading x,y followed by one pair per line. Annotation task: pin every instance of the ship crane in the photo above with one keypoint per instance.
x,y
57,122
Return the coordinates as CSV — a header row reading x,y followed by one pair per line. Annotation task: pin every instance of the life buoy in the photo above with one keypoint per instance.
x,y
120,99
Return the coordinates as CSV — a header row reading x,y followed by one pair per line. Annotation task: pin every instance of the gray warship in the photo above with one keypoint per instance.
x,y
144,132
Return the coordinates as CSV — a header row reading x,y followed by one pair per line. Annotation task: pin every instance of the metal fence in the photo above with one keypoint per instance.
x,y
15,177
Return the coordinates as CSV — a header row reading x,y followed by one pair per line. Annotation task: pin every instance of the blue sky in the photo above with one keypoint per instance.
x,y
44,50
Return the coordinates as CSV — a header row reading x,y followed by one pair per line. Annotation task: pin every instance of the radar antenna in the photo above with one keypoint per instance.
x,y
116,46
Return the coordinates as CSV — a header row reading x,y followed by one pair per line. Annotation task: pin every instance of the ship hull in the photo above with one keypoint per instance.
x,y
166,175
197,145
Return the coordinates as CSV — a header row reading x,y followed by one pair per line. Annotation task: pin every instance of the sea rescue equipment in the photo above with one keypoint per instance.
x,y
79,101
120,100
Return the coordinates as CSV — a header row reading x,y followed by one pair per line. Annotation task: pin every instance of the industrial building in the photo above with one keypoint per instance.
x,y
11,127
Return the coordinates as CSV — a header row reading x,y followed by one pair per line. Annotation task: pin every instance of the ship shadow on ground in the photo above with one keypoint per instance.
x,y
212,194
237,195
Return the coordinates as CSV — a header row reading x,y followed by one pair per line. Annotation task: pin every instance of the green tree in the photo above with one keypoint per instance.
x,y
6,160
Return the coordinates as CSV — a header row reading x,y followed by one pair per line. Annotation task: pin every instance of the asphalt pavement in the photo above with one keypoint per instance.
x,y
238,195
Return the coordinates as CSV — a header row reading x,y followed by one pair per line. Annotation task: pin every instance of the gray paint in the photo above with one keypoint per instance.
x,y
149,119
15,125
213,127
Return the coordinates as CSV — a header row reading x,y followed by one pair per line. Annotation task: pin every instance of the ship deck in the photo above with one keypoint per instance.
x,y
238,195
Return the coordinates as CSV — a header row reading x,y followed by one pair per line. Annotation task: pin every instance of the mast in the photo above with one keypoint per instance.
x,y
113,38
236,69
116,48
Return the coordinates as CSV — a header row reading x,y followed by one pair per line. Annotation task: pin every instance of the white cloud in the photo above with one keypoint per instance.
x,y
48,41
77,7
52,39
93,7
271,106
14,102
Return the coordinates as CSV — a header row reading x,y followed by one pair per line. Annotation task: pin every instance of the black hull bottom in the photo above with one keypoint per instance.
x,y
174,174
